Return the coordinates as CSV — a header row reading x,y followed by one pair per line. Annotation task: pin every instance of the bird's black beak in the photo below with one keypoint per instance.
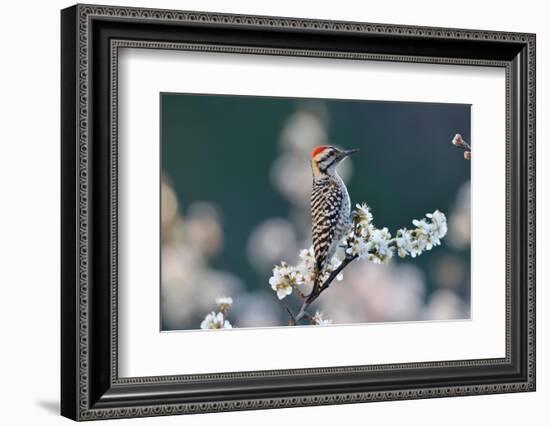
x,y
344,154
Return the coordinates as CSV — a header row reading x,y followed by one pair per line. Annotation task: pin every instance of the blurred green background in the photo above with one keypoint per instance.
x,y
236,173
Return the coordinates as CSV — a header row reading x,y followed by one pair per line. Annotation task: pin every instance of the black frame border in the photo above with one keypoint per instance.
x,y
91,37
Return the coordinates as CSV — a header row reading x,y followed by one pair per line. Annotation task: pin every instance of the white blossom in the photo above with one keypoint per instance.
x,y
365,230
334,263
363,213
428,233
379,248
439,222
358,247
363,241
214,321
418,246
224,303
284,279
404,242
318,319
423,232
307,265
367,242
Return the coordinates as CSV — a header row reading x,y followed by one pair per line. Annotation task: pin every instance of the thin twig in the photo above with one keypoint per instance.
x,y
313,296
302,313
292,319
461,143
332,276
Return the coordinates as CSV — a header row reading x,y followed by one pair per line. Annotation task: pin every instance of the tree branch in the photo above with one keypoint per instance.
x,y
366,242
461,143
313,296
326,284
292,319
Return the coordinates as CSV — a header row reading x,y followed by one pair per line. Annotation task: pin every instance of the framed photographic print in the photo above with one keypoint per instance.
x,y
263,212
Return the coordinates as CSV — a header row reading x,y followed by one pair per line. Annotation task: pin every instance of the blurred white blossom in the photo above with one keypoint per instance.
x,y
450,271
256,309
270,242
375,292
318,319
428,233
168,208
188,243
214,321
203,228
305,128
224,303
445,304
460,220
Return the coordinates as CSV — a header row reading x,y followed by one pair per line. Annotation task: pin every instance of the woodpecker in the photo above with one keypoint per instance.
x,y
330,207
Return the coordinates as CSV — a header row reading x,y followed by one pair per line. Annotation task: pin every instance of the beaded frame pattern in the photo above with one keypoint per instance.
x,y
85,13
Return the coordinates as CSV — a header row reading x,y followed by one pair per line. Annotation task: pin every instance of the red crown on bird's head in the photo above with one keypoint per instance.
x,y
318,150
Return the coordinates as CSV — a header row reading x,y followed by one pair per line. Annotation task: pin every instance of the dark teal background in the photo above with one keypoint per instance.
x,y
220,149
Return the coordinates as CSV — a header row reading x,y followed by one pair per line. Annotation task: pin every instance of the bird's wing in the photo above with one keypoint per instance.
x,y
326,203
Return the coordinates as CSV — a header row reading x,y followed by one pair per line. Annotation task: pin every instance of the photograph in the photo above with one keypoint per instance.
x,y
280,212
265,209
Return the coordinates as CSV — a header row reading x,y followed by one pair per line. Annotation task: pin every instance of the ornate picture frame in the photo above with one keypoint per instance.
x,y
91,37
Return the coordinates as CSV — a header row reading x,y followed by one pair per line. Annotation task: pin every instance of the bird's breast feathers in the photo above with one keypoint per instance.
x,y
330,208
